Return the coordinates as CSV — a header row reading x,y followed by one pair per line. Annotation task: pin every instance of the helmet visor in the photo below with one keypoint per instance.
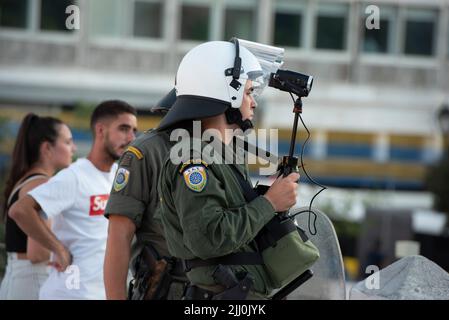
x,y
258,79
270,59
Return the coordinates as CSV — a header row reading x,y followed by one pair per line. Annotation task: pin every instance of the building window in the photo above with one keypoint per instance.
x,y
419,38
53,15
13,13
106,18
287,29
376,40
331,25
420,29
240,23
148,19
330,33
195,23
379,40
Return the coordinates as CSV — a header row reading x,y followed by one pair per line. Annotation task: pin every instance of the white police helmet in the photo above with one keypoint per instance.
x,y
210,80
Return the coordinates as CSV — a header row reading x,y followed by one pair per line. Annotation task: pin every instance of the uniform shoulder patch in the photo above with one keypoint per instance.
x,y
121,179
195,177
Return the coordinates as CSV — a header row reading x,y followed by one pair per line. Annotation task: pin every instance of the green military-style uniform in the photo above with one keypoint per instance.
x,y
205,214
134,193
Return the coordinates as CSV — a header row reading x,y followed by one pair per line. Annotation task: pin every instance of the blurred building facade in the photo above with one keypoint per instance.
x,y
372,110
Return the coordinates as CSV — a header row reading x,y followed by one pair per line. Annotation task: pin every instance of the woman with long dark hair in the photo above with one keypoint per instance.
x,y
43,146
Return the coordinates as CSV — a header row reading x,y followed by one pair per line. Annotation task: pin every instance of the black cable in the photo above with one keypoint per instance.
x,y
310,179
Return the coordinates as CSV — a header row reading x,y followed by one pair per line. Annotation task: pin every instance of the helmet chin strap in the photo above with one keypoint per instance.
x,y
234,116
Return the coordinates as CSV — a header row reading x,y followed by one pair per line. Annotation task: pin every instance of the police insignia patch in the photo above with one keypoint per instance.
x,y
121,179
195,178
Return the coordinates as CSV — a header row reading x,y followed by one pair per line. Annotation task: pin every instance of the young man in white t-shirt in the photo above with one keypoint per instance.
x,y
75,200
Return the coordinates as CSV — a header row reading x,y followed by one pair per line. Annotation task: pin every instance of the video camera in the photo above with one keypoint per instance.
x,y
290,81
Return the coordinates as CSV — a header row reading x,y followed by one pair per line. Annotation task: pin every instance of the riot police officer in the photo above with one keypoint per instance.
x,y
130,209
207,221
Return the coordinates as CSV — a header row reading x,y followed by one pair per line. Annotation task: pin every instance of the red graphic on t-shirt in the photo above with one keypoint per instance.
x,y
98,204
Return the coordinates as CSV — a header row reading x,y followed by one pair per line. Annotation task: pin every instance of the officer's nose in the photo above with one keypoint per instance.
x,y
253,102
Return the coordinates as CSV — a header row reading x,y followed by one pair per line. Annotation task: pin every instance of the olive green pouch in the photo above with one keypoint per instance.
x,y
286,251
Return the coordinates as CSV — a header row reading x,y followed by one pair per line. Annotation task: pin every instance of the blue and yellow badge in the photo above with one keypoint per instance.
x,y
121,179
195,178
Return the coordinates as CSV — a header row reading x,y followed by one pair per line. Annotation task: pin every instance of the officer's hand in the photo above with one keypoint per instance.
x,y
62,259
282,193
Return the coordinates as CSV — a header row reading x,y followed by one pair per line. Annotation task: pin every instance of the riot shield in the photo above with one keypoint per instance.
x,y
328,281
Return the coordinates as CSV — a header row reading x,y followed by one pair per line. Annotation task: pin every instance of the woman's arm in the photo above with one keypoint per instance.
x,y
35,252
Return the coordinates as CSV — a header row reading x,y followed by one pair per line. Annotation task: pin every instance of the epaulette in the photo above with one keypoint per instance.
x,y
135,151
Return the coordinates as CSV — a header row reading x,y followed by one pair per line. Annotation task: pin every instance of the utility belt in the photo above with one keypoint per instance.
x,y
236,287
156,277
